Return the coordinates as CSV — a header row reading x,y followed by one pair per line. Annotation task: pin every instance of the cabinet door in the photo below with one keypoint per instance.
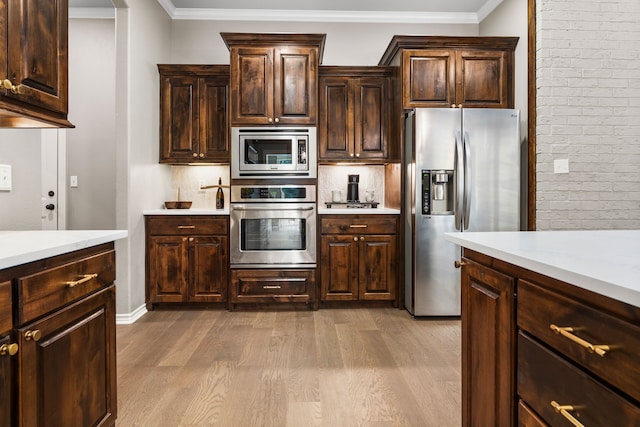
x,y
488,346
295,85
371,118
482,79
339,267
213,122
6,379
37,59
377,267
429,79
168,259
179,119
66,372
251,85
335,122
209,279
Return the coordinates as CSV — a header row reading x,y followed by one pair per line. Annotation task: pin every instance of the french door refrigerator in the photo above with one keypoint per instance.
x,y
462,171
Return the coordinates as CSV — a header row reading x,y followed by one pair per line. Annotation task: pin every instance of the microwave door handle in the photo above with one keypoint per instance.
x,y
272,209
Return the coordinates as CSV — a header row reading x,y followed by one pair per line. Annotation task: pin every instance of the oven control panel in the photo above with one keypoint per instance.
x,y
273,193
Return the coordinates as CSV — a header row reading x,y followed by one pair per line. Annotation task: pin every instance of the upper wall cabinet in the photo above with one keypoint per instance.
x,y
454,71
356,114
34,63
194,126
274,78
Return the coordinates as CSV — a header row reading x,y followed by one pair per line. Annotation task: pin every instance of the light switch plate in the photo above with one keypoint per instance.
x,y
5,177
561,166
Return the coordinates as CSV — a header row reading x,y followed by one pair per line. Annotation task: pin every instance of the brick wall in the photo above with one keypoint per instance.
x,y
588,111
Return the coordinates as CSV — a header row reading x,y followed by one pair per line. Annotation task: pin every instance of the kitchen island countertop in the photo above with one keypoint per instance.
x,y
21,247
605,262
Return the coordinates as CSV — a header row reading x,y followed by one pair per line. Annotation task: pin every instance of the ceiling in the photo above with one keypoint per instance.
x,y
432,11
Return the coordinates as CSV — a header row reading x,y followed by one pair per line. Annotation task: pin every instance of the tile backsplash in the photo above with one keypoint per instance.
x,y
187,179
335,178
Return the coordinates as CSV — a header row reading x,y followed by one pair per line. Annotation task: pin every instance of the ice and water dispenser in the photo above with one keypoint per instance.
x,y
437,192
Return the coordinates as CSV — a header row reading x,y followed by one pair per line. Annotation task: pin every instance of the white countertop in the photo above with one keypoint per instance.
x,y
604,262
21,247
194,211
355,211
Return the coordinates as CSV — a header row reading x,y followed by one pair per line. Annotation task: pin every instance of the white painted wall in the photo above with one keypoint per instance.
x,y
91,145
588,111
20,207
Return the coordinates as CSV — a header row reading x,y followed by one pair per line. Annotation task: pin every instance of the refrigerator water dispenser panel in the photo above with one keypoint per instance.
x,y
437,192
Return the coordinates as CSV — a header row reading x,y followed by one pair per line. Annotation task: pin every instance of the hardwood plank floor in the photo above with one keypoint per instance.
x,y
332,367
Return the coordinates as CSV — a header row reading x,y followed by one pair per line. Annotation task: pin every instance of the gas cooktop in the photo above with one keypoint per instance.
x,y
355,205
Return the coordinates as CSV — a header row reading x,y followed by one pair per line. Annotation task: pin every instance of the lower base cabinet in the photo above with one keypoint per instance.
x,y
58,362
260,286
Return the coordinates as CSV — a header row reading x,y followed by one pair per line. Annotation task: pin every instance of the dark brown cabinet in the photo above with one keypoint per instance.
x,y
8,349
358,257
274,78
263,286
488,343
194,125
34,63
356,112
454,71
187,259
60,370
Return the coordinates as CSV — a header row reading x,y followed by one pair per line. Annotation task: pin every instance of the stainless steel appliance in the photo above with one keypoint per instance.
x,y
462,174
273,152
273,226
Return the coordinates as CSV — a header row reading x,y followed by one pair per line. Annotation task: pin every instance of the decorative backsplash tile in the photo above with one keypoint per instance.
x,y
335,178
187,180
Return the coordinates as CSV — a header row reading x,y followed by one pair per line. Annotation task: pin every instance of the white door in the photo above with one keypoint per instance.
x,y
53,168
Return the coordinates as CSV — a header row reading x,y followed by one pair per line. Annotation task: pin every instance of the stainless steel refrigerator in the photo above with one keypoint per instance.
x,y
462,171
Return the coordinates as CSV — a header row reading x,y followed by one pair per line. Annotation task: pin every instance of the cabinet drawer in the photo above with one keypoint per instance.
x,y
50,289
539,308
186,225
278,285
359,225
5,307
528,418
544,377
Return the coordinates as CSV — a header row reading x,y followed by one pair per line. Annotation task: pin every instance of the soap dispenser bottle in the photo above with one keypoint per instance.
x,y
220,195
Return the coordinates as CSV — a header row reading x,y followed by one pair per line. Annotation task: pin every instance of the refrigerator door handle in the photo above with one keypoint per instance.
x,y
459,180
467,180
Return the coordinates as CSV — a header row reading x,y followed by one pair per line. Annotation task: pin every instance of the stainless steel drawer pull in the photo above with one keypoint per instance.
x,y
85,278
564,411
358,226
190,227
566,332
271,287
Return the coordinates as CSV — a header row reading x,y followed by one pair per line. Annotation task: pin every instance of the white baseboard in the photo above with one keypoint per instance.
x,y
127,319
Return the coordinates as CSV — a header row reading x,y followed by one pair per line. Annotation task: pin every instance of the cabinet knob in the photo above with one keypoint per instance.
x,y
201,155
8,349
458,264
6,83
355,239
277,120
351,154
362,238
270,120
453,105
34,335
191,239
195,154
357,154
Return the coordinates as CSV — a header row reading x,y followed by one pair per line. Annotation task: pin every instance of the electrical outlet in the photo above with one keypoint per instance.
x,y
561,166
5,177
73,181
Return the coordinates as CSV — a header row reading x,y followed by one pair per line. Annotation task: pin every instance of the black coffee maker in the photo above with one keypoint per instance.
x,y
352,188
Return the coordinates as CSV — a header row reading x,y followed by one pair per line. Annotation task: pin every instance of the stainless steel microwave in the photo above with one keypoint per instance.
x,y
273,152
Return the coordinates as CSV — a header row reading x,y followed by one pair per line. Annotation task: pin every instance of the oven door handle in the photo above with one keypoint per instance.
x,y
273,209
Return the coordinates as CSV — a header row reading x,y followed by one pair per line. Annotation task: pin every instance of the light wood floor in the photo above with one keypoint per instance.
x,y
332,367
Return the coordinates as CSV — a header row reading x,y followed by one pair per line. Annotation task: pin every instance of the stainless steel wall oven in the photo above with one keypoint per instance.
x,y
273,226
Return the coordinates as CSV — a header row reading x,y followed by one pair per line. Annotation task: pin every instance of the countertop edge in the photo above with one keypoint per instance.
x,y
603,286
356,211
29,246
192,211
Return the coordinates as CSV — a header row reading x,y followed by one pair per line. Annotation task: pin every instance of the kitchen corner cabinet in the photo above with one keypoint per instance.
x,y
187,259
34,63
488,337
358,257
194,125
274,78
531,343
476,72
63,368
356,112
